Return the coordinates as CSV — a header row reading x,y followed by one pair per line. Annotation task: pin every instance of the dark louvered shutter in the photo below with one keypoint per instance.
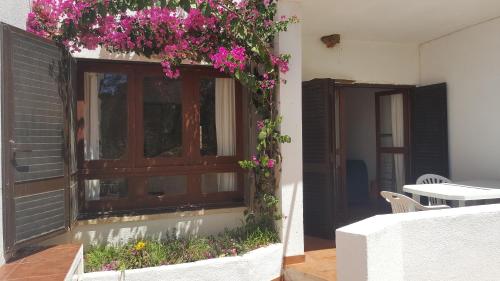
x,y
71,140
429,118
34,91
317,139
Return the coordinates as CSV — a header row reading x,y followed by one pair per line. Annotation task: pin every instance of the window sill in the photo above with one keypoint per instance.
x,y
148,215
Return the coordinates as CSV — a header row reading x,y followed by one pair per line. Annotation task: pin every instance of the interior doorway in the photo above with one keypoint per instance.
x,y
376,130
359,139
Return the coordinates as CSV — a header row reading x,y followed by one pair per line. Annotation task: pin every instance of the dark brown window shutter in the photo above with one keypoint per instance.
x,y
429,120
34,92
317,136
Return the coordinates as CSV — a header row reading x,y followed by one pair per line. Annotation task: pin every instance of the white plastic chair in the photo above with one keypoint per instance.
x,y
403,204
432,179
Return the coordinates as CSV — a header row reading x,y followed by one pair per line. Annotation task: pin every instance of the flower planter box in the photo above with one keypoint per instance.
x,y
263,264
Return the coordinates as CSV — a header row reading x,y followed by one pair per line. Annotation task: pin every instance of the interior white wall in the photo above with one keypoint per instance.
x,y
362,61
361,128
469,61
12,12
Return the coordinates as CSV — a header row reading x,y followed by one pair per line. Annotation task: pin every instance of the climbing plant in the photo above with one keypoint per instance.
x,y
234,36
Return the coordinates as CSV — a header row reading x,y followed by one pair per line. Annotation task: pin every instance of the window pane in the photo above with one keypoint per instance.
x,y
392,172
106,125
217,117
391,121
218,182
162,117
108,189
161,186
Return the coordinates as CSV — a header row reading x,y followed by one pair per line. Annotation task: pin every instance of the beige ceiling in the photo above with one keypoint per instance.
x,y
405,21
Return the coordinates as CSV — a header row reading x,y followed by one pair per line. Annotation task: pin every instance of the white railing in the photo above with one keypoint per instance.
x,y
453,244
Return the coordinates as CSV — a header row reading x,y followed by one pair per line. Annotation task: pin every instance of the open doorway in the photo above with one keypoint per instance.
x,y
359,139
376,132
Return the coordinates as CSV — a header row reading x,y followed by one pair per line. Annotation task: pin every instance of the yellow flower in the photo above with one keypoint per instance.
x,y
139,246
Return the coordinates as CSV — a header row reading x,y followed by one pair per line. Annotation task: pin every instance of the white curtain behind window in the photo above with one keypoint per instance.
x,y
225,125
398,139
92,128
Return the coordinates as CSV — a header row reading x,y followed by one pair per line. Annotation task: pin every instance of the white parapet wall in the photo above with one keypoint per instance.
x,y
263,264
452,245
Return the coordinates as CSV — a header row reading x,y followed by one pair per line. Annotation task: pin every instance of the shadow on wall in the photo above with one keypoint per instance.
x,y
117,231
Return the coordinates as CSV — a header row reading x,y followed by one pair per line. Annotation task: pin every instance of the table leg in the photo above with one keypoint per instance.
x,y
416,197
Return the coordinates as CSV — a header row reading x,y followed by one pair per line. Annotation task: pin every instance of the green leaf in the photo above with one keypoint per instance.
x,y
205,8
162,3
262,135
185,5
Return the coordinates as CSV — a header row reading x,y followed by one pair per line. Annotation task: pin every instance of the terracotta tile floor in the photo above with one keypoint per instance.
x,y
52,263
320,259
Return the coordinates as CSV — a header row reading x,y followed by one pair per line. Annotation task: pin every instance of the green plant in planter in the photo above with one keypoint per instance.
x,y
172,250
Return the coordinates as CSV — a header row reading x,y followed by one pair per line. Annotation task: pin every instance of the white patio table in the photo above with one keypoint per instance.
x,y
458,191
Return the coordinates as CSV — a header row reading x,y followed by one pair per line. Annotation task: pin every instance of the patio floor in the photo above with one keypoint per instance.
x,y
51,263
320,262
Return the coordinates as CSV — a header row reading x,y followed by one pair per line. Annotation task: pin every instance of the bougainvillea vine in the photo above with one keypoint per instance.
x,y
235,36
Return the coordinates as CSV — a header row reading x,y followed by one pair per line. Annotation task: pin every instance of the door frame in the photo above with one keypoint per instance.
x,y
406,150
348,84
339,156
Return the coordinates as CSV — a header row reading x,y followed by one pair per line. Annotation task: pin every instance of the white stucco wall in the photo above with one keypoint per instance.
x,y
290,94
469,61
118,230
362,61
2,258
12,12
454,244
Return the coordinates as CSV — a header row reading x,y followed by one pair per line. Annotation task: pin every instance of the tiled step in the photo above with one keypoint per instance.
x,y
320,265
293,274
56,263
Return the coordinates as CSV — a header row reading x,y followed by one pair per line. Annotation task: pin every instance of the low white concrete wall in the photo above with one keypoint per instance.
x,y
75,272
118,230
260,265
455,244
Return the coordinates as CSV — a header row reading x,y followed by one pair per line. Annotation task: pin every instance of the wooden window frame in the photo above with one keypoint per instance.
x,y
136,168
404,150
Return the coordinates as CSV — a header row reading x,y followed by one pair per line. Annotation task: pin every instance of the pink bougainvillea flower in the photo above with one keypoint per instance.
x,y
169,72
271,163
255,160
281,63
260,125
229,60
